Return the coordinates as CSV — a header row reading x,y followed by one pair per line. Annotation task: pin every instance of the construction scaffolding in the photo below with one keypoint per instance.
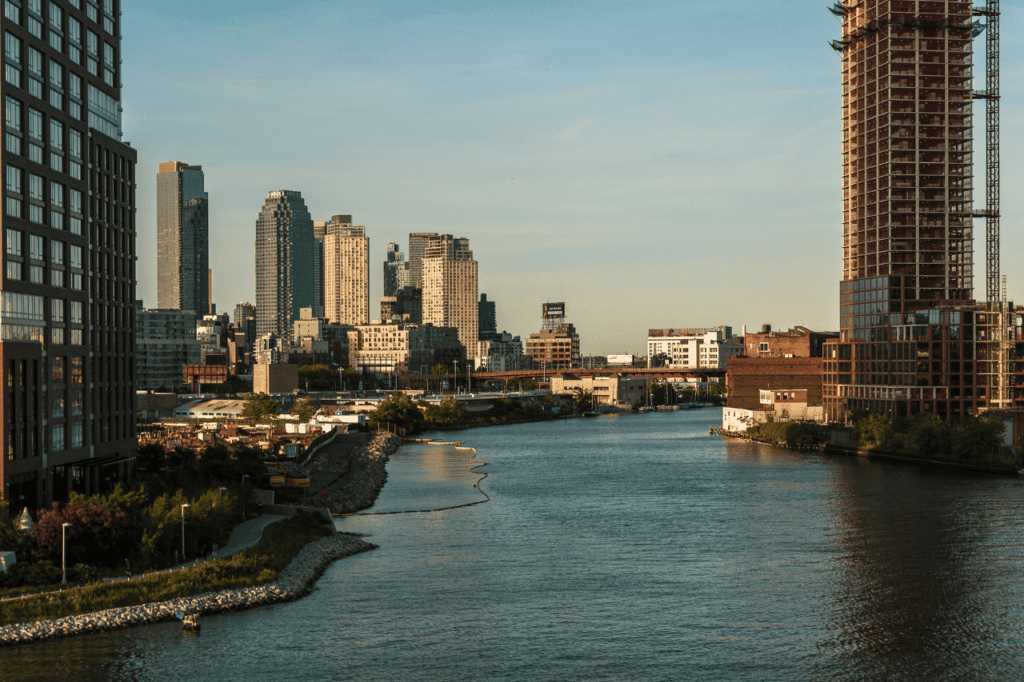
x,y
991,97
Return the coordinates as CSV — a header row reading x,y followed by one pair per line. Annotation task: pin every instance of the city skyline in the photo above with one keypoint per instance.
x,y
661,159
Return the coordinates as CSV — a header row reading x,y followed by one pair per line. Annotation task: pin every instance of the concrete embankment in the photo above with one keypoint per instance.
x,y
293,582
353,473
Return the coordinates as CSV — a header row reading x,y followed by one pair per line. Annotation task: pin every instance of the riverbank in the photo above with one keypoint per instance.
x,y
872,453
294,582
353,473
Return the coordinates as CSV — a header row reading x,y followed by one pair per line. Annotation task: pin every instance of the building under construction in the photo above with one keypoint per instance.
x,y
912,337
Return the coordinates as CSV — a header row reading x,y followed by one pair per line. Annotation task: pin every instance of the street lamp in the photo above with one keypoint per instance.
x,y
64,551
455,376
183,508
220,495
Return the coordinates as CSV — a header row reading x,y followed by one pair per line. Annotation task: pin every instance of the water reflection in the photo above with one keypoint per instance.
x,y
912,590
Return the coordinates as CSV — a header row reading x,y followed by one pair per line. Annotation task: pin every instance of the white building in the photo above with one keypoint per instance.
x,y
708,348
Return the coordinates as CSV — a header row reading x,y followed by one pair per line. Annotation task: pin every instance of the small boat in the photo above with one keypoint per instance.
x,y
189,621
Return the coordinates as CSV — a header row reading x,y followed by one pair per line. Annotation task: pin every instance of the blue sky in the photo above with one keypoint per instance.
x,y
652,164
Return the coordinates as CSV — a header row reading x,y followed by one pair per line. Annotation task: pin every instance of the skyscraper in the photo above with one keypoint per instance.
x,y
907,322
418,242
393,266
488,316
284,263
67,296
450,288
182,239
244,320
346,272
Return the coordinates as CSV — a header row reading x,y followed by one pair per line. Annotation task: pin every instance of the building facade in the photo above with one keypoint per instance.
x,y
183,278
67,295
284,263
556,348
708,348
165,341
390,348
613,391
488,316
346,272
394,265
450,286
911,338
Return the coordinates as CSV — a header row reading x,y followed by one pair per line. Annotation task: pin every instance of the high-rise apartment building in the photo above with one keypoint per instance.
x,y
488,316
909,331
319,232
346,272
183,277
450,288
393,267
67,295
244,320
284,263
418,242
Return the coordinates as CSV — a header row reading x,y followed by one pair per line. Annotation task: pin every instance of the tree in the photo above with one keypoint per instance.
x,y
583,400
350,378
317,378
449,412
929,434
399,410
259,406
439,369
304,409
97,535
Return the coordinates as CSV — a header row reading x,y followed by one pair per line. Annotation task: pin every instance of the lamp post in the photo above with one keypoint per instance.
x,y
183,508
64,551
455,376
220,495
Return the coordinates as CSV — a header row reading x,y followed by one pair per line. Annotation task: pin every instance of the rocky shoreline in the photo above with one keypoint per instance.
x,y
357,477
294,582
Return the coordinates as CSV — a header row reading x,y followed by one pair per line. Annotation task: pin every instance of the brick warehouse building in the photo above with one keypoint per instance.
x,y
747,377
911,338
67,297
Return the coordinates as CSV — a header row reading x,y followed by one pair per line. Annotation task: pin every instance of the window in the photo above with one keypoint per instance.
x,y
12,59
35,135
56,17
57,278
13,114
76,256
56,310
76,435
35,187
56,135
35,247
75,143
12,12
76,312
763,347
91,11
75,40
35,274
56,252
13,270
58,433
14,238
92,46
13,203
108,64
56,194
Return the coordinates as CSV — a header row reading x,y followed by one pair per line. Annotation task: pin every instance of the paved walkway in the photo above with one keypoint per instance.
x,y
245,535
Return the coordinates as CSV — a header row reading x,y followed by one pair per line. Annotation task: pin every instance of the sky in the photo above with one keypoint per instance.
x,y
651,164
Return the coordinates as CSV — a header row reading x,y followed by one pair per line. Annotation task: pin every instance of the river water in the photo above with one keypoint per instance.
x,y
635,547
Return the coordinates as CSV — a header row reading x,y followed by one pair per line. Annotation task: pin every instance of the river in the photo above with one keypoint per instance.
x,y
631,547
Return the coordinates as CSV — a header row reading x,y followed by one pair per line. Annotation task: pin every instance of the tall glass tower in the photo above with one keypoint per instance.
x,y
182,238
284,263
